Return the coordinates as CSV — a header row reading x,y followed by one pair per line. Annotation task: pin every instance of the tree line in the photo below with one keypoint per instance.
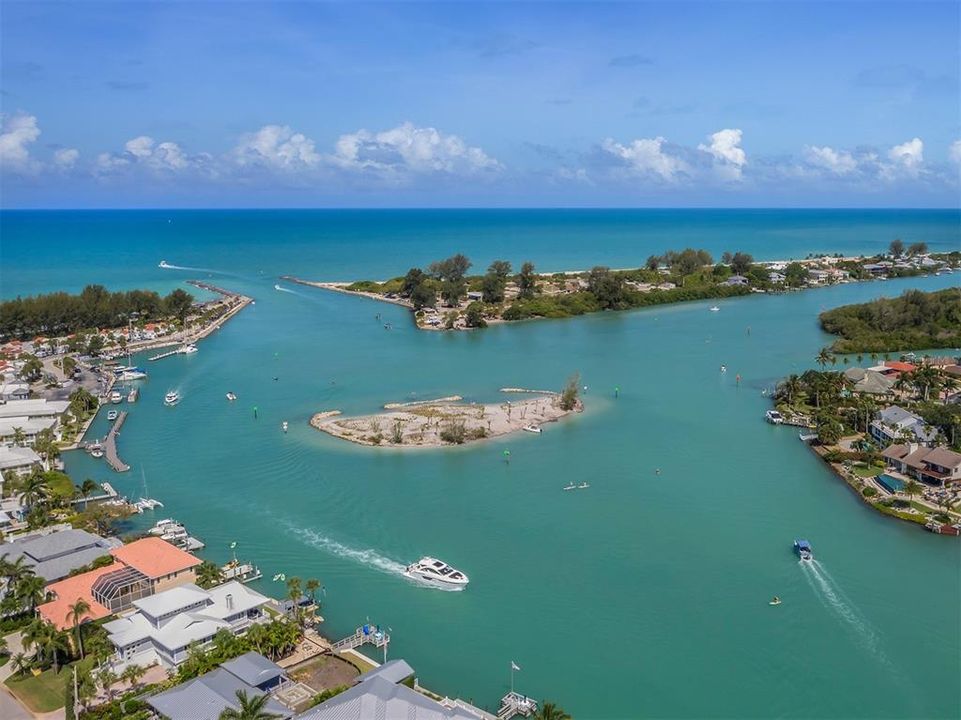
x,y
914,321
61,313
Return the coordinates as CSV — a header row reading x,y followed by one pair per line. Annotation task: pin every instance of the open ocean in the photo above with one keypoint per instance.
x,y
646,595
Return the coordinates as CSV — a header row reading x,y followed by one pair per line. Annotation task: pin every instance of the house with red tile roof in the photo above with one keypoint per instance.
x,y
139,570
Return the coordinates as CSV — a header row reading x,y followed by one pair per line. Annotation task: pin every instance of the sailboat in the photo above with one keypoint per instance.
x,y
145,502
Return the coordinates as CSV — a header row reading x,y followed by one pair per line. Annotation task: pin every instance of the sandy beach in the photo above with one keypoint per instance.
x,y
442,422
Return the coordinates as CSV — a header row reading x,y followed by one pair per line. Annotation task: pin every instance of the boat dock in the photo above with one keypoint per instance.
x,y
110,445
161,356
514,704
364,635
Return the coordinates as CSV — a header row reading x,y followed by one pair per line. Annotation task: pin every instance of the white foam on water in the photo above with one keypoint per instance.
x,y
835,600
369,557
280,288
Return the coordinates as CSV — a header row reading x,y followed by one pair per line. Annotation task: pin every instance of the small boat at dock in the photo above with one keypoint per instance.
x,y
774,417
96,452
532,428
171,398
240,571
116,397
187,349
112,415
133,395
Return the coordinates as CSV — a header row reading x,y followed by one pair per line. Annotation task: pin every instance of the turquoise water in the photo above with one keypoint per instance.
x,y
645,595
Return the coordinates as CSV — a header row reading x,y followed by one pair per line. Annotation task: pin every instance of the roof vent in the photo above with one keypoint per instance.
x,y
229,599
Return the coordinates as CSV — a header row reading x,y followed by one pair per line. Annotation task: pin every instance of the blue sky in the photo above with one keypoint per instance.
x,y
463,104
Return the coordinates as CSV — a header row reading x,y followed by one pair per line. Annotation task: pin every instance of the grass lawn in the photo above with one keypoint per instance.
x,y
42,693
867,471
358,660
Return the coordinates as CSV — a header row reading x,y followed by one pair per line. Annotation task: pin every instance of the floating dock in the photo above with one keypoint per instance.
x,y
110,445
161,356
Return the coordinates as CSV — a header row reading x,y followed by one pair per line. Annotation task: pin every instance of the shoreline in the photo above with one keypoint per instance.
x,y
446,422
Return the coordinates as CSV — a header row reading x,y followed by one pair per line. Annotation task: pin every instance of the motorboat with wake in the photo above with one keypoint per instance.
x,y
171,398
164,264
775,601
187,349
803,549
231,396
436,572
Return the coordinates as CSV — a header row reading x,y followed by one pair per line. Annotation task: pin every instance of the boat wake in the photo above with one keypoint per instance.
x,y
836,601
369,557
164,265
281,288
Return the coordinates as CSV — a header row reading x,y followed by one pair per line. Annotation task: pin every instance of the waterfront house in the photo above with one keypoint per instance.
x,y
894,423
30,416
869,382
934,466
380,694
54,555
14,391
876,269
777,278
16,461
167,624
737,281
207,696
139,570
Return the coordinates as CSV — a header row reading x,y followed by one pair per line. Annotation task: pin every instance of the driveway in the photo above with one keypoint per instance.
x,y
10,709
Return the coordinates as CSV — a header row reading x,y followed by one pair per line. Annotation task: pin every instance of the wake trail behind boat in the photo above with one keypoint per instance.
x,y
835,600
286,290
368,557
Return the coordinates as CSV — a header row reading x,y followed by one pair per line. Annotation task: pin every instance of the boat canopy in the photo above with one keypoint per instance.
x,y
803,544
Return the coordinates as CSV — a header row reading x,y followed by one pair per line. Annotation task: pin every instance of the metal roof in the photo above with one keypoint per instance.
x,y
395,671
206,697
253,668
53,556
382,699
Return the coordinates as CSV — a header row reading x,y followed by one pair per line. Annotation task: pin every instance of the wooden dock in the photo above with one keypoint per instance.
x,y
110,445
161,356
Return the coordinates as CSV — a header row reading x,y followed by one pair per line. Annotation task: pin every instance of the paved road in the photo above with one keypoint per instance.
x,y
10,709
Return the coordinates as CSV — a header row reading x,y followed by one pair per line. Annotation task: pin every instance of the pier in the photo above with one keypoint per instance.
x,y
364,635
110,445
161,356
514,704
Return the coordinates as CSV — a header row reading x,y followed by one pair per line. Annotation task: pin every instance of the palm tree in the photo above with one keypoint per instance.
x,y
925,379
14,571
257,637
550,711
29,591
250,708
35,489
208,575
107,678
912,488
54,644
46,446
75,615
20,663
133,673
294,593
312,586
86,489
824,357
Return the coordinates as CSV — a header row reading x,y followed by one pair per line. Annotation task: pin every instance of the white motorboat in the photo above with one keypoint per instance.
x,y
284,425
112,415
161,526
532,428
171,398
133,395
127,374
187,349
277,287
96,452
570,486
147,504
774,417
584,485
163,264
231,396
436,572
116,397
715,308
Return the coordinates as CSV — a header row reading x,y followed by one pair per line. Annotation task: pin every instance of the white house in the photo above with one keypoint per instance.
x,y
896,424
167,624
31,416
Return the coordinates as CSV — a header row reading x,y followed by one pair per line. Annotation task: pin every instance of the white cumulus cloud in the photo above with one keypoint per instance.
x,y
954,151
18,131
647,156
908,157
728,154
407,148
839,162
66,157
277,146
143,151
